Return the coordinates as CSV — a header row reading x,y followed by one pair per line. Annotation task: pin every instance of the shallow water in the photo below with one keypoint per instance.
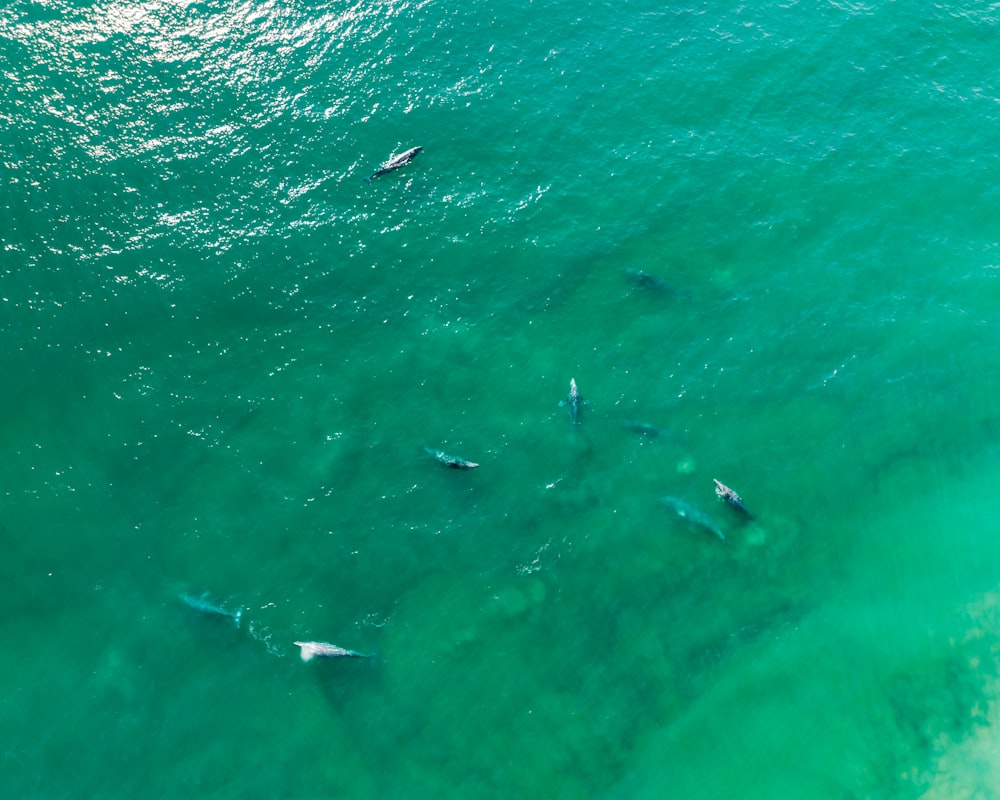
x,y
227,351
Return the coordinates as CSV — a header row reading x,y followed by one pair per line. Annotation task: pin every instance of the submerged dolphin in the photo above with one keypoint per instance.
x,y
450,461
645,280
574,401
397,161
325,650
646,429
727,494
205,606
693,515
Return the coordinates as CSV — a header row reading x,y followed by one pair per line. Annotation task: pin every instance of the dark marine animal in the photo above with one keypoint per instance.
x,y
729,496
396,162
450,461
646,429
645,280
692,515
203,605
574,401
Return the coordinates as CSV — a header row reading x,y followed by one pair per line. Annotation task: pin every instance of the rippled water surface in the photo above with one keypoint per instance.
x,y
762,240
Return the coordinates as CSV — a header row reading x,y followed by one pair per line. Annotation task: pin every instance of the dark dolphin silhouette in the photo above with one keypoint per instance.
x,y
397,161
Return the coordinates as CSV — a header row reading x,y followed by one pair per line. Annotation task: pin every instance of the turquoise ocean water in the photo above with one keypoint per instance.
x,y
224,352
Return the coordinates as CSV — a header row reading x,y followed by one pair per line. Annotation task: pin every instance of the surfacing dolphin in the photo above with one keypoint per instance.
x,y
693,515
450,461
727,494
574,401
309,650
397,161
203,605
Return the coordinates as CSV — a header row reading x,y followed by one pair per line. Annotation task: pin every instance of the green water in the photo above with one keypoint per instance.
x,y
225,352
